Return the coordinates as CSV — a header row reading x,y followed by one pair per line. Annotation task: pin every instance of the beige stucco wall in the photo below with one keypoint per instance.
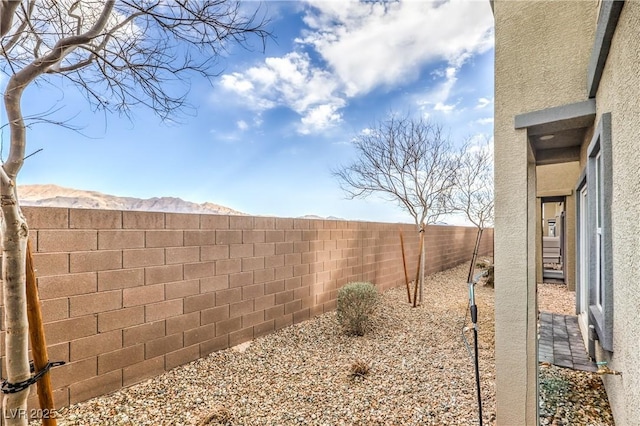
x,y
541,45
557,179
560,180
618,93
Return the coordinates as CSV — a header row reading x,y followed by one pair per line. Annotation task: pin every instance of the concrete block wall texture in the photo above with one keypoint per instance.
x,y
128,295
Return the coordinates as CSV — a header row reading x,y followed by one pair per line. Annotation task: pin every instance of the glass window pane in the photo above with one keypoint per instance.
x,y
599,190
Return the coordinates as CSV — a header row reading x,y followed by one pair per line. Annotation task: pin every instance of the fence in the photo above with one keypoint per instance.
x,y
128,295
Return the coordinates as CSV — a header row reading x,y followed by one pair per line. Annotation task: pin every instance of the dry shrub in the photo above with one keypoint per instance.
x,y
481,264
489,280
359,369
356,304
219,416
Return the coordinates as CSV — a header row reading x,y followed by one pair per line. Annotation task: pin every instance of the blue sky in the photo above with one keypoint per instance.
x,y
270,129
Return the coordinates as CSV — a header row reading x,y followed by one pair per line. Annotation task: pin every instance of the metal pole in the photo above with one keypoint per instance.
x,y
474,319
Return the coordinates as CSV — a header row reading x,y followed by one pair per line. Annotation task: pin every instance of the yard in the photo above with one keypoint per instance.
x,y
420,372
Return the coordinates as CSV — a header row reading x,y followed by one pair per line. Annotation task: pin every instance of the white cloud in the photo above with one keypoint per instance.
x,y
291,81
437,97
483,102
371,44
236,83
444,107
319,118
242,125
363,46
484,121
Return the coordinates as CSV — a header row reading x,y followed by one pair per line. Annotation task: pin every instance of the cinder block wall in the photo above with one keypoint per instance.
x,y
128,295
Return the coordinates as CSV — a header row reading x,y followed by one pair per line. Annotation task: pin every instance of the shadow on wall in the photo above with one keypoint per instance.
x,y
128,295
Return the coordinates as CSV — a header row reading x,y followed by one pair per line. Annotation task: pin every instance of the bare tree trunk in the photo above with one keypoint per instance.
x,y
423,231
135,67
14,243
415,287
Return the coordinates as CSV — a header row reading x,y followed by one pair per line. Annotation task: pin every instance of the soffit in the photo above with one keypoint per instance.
x,y
556,134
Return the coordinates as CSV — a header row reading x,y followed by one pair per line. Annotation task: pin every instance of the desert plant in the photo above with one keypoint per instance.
x,y
356,304
481,264
219,416
489,281
359,368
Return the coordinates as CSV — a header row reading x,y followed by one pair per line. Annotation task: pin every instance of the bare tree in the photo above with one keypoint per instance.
x,y
473,195
119,55
406,160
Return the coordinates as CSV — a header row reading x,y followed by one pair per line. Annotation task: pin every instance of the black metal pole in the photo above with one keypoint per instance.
x,y
474,319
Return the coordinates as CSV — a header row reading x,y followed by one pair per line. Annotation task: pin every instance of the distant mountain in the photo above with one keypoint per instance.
x,y
315,216
57,196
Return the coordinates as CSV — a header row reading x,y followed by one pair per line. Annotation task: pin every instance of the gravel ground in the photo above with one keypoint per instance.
x,y
556,298
420,372
569,397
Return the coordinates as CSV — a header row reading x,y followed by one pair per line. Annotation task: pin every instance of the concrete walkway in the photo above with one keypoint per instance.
x,y
560,342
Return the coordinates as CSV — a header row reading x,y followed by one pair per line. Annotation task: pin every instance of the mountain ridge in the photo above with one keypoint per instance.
x,y
50,195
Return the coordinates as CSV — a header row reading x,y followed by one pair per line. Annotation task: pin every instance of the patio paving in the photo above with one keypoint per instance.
x,y
560,342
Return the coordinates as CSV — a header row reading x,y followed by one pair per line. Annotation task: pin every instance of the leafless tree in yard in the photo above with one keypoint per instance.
x,y
406,160
120,55
473,195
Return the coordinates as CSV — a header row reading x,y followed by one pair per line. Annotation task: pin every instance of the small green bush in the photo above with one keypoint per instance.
x,y
356,304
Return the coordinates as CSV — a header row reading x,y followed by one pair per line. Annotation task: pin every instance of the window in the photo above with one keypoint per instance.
x,y
598,278
552,227
599,183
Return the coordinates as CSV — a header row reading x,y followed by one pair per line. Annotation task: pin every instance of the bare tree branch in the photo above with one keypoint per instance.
x,y
473,195
7,11
406,160
23,25
19,81
119,55
149,45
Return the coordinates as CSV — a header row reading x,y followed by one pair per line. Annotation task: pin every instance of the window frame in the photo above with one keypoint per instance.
x,y
600,184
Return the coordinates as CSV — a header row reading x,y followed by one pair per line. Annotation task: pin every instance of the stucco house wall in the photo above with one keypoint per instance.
x,y
618,93
541,52
545,57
